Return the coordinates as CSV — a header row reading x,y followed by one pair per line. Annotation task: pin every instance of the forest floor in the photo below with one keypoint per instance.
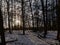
x,y
30,38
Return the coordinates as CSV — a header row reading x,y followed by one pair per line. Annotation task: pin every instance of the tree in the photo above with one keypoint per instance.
x,y
23,17
32,14
2,29
8,16
37,13
58,19
45,29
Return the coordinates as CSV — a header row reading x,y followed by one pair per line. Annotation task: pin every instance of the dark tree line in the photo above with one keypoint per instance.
x,y
58,17
36,13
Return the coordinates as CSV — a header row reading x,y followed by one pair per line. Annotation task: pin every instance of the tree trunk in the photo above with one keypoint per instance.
x,y
58,19
45,30
8,17
23,17
32,15
2,29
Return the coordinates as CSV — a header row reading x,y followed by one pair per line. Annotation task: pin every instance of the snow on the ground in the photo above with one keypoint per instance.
x,y
27,39
30,38
52,34
50,37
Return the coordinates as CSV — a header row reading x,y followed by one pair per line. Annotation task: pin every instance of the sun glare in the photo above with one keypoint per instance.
x,y
17,22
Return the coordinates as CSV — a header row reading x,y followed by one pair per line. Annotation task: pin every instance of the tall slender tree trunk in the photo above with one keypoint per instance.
x,y
58,19
2,29
37,13
23,17
8,17
45,30
32,14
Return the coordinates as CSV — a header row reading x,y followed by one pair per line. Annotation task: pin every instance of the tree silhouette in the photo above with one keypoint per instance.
x,y
32,15
8,16
58,18
2,29
23,17
45,25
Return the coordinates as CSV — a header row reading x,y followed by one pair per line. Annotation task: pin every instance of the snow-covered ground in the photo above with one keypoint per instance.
x,y
50,37
30,38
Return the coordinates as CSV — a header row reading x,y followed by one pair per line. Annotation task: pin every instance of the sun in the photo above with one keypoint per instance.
x,y
17,22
